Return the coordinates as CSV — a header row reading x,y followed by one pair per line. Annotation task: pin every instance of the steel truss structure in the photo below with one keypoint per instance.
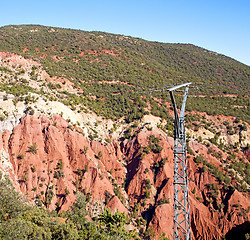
x,y
181,228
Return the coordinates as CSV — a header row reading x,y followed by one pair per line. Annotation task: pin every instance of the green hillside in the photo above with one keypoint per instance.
x,y
112,67
20,220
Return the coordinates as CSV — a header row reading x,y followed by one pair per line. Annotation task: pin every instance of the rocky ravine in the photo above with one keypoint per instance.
x,y
51,151
49,160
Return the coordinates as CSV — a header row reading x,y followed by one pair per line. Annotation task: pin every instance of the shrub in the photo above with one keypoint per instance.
x,y
59,174
199,159
25,178
127,133
85,149
20,156
33,169
66,191
204,168
147,184
154,144
2,117
163,201
146,150
31,112
49,195
159,164
33,149
147,193
99,156
86,167
60,164
189,150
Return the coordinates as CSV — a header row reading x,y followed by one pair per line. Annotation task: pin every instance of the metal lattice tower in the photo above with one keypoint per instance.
x,y
181,229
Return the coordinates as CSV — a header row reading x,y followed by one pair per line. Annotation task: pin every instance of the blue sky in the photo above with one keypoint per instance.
x,y
222,26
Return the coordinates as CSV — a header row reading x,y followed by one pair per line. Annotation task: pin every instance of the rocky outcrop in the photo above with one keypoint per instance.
x,y
50,160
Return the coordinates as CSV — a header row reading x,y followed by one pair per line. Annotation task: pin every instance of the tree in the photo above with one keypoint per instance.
x,y
33,148
99,156
18,220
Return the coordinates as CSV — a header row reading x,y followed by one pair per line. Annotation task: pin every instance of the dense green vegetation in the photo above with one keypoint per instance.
x,y
120,71
21,220
238,106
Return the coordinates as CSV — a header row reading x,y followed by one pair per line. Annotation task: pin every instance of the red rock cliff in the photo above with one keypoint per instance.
x,y
51,161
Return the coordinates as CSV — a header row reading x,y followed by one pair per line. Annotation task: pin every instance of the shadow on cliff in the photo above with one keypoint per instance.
x,y
239,232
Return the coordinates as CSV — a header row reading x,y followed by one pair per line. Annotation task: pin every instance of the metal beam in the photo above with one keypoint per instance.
x,y
179,86
176,117
184,103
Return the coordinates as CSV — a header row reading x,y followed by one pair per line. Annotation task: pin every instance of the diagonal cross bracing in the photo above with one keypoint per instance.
x,y
181,229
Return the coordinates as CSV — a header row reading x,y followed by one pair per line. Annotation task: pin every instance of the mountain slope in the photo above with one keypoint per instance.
x,y
99,64
124,59
50,161
73,125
